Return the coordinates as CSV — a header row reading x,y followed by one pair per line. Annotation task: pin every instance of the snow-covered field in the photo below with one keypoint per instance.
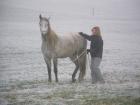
x,y
23,73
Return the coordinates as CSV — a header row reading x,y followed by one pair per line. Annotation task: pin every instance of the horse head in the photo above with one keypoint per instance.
x,y
44,25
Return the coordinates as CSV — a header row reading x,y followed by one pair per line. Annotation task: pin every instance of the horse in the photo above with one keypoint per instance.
x,y
56,46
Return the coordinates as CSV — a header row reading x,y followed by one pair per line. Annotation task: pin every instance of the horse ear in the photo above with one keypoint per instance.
x,y
40,17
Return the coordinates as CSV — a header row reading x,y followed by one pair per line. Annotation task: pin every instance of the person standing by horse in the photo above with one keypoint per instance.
x,y
96,50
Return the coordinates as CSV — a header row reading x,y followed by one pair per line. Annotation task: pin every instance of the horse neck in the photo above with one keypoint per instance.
x,y
51,39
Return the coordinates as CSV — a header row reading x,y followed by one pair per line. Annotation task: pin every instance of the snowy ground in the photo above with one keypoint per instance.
x,y
23,73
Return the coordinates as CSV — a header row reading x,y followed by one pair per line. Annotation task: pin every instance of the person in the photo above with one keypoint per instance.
x,y
96,50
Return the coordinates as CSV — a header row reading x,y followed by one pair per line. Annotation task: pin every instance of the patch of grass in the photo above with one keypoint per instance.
x,y
4,89
10,98
122,100
32,82
29,84
66,94
26,102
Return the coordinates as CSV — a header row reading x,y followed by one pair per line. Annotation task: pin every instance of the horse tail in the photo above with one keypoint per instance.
x,y
84,64
83,60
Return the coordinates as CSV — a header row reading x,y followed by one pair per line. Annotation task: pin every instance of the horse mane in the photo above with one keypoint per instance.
x,y
51,38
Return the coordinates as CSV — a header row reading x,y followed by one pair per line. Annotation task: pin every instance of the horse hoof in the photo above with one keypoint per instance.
x,y
80,80
74,80
49,80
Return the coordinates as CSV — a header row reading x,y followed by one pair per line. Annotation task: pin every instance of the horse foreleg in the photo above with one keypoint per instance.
x,y
48,63
55,69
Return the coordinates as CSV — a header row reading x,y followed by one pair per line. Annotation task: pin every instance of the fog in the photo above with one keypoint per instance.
x,y
23,72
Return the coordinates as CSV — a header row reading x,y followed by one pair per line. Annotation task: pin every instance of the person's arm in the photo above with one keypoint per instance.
x,y
85,36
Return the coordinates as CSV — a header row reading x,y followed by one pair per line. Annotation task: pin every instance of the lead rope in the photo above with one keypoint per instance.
x,y
77,57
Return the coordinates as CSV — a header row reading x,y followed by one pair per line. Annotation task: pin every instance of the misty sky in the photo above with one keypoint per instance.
x,y
66,9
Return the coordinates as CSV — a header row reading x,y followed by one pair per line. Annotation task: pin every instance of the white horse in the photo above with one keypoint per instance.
x,y
55,46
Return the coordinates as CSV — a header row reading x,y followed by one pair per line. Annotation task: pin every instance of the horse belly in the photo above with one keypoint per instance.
x,y
65,50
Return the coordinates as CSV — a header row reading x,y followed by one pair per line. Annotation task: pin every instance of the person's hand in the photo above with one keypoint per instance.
x,y
88,50
80,33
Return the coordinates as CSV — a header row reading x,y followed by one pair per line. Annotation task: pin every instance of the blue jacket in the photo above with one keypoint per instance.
x,y
96,46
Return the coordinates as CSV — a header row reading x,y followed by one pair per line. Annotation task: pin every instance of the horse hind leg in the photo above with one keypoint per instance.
x,y
74,73
76,69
